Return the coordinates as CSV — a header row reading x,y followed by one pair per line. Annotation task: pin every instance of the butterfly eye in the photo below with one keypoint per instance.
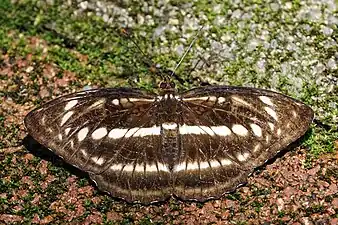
x,y
166,85
163,85
172,85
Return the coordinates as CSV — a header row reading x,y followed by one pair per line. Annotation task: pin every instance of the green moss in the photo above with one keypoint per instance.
x,y
146,221
9,134
257,205
241,223
3,131
234,196
82,182
281,213
321,140
261,191
315,209
127,220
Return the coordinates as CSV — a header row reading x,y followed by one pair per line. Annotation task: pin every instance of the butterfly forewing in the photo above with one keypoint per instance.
x,y
142,147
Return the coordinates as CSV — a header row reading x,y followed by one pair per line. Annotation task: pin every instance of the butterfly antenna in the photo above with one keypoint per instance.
x,y
147,61
126,33
187,51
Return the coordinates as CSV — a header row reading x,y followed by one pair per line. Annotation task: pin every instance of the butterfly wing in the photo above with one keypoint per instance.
x,y
228,131
196,146
98,131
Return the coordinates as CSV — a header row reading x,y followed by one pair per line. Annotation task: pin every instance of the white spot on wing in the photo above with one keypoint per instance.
x,y
221,130
279,131
257,147
169,126
141,132
141,100
180,167
221,100
117,133
212,98
67,130
271,112
266,100
99,133
84,152
60,137
128,168
214,164
82,134
162,167
66,117
272,127
116,102
192,166
151,168
257,130
212,130
206,165
187,166
294,113
116,167
99,102
243,157
123,100
134,132
185,129
70,104
226,162
207,130
139,168
43,120
239,129
204,98
98,160
238,100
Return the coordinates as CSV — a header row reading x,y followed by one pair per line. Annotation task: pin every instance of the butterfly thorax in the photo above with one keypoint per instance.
x,y
169,108
168,105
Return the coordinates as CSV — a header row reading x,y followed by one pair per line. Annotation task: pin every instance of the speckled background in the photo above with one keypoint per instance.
x,y
49,48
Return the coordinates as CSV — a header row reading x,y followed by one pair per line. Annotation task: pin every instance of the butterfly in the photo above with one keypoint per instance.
x,y
193,145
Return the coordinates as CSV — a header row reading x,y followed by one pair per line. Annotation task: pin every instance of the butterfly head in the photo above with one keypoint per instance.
x,y
167,87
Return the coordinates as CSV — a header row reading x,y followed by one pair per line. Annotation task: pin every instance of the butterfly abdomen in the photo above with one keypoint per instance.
x,y
170,146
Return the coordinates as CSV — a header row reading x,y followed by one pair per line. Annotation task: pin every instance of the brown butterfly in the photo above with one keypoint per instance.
x,y
195,145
